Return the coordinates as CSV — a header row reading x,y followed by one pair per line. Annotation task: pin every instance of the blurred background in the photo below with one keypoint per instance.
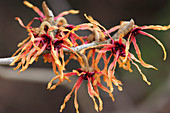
x,y
26,92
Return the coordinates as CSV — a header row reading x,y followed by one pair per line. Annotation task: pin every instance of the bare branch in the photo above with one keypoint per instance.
x,y
6,61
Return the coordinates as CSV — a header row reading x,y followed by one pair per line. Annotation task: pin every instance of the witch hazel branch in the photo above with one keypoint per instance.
x,y
55,36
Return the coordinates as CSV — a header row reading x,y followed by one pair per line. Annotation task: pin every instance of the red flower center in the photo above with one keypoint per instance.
x,y
47,40
135,31
87,74
119,47
57,43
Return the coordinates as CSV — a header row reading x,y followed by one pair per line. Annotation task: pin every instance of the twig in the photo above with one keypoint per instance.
x,y
6,61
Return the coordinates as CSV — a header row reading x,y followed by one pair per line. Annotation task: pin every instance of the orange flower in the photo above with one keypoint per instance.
x,y
91,85
120,51
132,39
45,39
117,49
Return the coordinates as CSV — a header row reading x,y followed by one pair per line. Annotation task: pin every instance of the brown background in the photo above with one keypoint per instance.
x,y
137,97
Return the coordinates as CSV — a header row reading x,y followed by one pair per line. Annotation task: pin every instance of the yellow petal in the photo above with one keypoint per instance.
x,y
143,76
28,4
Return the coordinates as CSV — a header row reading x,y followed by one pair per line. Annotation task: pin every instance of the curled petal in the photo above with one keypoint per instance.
x,y
20,22
92,93
55,55
23,42
52,28
78,82
18,66
125,65
89,18
144,33
29,24
22,53
32,39
34,8
113,65
106,90
38,53
75,98
139,55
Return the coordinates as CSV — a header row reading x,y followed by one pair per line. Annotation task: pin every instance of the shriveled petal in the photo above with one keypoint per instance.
x,y
75,98
94,85
55,56
34,8
113,65
24,47
143,76
126,65
75,71
62,57
89,18
66,13
117,83
18,66
52,28
106,90
113,29
72,56
97,61
22,53
73,40
92,93
32,39
139,55
127,48
78,82
89,54
54,86
38,53
77,37
131,56
156,27
23,42
20,22
54,66
50,83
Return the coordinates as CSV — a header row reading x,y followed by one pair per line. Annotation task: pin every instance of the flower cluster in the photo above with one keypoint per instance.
x,y
54,36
